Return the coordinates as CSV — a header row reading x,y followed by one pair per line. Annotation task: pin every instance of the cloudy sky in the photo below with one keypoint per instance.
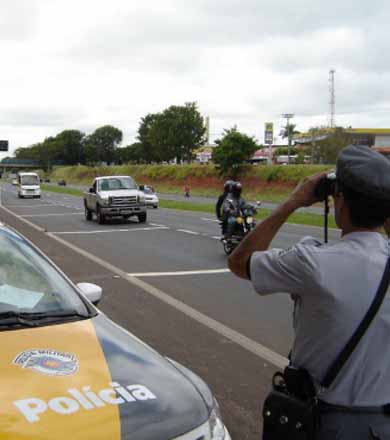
x,y
81,64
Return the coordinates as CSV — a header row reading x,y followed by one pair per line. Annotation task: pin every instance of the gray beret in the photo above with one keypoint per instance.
x,y
364,170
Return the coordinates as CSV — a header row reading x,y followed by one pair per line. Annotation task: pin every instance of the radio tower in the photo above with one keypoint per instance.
x,y
332,99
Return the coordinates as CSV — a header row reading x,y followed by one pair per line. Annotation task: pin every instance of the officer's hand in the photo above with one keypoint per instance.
x,y
303,194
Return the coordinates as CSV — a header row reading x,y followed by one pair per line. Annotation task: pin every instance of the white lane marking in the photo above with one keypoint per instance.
x,y
216,237
31,206
156,224
179,273
52,215
209,219
243,341
103,231
187,232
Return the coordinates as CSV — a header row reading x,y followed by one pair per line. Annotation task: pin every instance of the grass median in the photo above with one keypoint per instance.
x,y
296,218
62,190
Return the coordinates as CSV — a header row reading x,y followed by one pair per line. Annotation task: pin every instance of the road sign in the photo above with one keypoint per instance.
x,y
269,133
3,145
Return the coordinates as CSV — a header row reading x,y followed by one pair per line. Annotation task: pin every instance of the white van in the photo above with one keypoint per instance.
x,y
29,185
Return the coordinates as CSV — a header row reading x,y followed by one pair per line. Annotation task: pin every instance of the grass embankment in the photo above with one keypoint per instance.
x,y
268,183
297,218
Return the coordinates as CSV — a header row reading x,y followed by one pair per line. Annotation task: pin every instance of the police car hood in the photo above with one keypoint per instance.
x,y
91,379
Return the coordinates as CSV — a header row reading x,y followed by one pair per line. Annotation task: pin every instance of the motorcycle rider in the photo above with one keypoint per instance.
x,y
227,189
233,205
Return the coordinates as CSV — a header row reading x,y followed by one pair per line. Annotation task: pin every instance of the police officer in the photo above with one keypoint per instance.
x,y
333,287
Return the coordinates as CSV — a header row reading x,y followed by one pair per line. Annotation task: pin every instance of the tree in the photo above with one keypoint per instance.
x,y
332,145
289,130
46,152
177,132
283,151
148,152
70,144
233,151
132,153
105,140
327,143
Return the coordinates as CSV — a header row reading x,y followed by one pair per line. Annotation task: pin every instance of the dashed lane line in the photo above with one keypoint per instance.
x,y
32,206
243,341
179,273
103,231
188,232
52,215
209,219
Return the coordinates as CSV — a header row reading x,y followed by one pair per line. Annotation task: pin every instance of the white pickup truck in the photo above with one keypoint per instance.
x,y
113,196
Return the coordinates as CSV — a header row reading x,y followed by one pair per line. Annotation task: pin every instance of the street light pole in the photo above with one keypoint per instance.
x,y
288,116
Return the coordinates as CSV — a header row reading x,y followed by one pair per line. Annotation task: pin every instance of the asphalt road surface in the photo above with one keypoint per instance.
x,y
210,200
167,282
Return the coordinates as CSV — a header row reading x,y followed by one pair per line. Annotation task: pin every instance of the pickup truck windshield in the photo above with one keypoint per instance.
x,y
29,180
117,183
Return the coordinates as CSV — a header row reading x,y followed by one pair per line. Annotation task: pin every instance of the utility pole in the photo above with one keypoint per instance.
x,y
288,116
332,99
207,126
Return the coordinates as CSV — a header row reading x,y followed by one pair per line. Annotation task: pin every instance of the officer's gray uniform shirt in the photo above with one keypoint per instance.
x,y
333,286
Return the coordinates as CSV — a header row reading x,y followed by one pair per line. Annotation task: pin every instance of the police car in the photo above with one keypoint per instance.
x,y
68,372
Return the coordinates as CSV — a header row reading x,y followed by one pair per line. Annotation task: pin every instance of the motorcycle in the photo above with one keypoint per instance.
x,y
240,221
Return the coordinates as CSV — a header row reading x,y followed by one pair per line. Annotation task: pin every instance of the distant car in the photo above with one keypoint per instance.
x,y
151,199
62,183
47,180
68,371
14,181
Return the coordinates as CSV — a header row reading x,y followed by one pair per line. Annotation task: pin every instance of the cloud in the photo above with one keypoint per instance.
x,y
82,64
18,19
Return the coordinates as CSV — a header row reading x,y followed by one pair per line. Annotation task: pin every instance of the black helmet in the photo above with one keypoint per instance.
x,y
237,188
228,186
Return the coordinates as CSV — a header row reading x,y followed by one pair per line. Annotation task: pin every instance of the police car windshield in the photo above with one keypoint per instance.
x,y
117,183
29,180
30,285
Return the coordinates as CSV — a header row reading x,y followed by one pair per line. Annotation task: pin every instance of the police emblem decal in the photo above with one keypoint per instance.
x,y
48,362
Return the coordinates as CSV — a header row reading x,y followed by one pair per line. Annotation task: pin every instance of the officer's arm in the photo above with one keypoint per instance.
x,y
260,238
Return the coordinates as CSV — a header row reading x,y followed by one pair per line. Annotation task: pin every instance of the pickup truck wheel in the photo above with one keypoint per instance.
x,y
142,217
99,216
88,214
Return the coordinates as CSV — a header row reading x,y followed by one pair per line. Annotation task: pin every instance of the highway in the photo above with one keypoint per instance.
x,y
167,282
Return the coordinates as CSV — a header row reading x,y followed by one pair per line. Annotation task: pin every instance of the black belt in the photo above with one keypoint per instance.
x,y
329,407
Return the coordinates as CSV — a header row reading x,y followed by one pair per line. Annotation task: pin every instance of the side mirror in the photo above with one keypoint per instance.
x,y
92,292
141,187
91,190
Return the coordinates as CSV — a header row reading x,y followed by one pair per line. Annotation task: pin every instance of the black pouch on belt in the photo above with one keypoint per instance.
x,y
290,409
